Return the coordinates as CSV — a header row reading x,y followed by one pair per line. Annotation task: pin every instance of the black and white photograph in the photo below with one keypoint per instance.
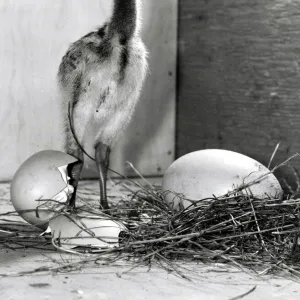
x,y
149,149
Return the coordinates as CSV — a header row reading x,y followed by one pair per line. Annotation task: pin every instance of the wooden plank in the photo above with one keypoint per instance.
x,y
239,77
34,36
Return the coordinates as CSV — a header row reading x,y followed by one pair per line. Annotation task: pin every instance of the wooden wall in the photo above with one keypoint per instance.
x,y
33,37
239,77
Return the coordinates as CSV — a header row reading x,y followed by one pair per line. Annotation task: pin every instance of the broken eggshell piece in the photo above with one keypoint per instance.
x,y
74,231
49,208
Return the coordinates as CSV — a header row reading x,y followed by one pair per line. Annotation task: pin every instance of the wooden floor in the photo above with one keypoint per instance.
x,y
218,282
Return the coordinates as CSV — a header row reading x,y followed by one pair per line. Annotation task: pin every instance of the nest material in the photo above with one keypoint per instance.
x,y
240,229
262,234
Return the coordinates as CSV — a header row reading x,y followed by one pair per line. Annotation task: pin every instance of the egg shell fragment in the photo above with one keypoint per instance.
x,y
204,173
74,231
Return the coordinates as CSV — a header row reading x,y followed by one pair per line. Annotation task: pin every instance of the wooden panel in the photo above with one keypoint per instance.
x,y
34,35
239,78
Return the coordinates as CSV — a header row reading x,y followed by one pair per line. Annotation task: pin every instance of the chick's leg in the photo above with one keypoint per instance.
x,y
74,169
102,153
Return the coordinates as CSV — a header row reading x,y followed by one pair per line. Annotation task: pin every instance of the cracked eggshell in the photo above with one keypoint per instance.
x,y
38,178
204,173
100,233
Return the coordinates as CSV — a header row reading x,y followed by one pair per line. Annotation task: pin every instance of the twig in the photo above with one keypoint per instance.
x,y
141,176
244,295
257,225
273,155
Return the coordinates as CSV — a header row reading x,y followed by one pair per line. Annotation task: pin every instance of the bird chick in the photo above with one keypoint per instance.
x,y
100,79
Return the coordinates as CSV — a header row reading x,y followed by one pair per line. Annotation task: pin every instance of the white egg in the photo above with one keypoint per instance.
x,y
204,173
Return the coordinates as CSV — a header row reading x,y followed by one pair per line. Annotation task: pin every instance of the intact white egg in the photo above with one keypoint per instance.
x,y
204,173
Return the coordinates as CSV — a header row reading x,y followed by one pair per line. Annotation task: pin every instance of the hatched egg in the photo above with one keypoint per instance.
x,y
40,186
215,172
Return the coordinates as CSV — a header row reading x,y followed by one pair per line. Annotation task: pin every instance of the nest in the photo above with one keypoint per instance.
x,y
261,234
